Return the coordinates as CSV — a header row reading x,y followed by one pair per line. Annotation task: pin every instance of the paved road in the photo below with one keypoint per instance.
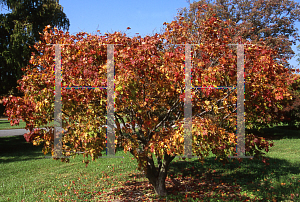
x,y
14,132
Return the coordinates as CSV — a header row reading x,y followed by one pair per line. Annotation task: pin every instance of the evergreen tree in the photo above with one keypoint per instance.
x,y
19,30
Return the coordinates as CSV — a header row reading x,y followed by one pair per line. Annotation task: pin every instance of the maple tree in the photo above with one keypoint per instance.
x,y
149,81
261,22
291,111
272,21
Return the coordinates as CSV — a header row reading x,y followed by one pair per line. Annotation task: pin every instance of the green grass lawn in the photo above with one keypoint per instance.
x,y
26,175
5,125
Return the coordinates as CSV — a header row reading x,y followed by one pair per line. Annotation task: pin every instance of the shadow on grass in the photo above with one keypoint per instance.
x,y
252,176
15,148
196,180
277,132
209,181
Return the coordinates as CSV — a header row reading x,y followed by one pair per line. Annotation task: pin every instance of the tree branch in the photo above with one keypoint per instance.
x,y
164,119
159,162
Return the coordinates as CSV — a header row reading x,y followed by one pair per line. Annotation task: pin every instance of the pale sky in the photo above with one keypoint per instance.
x,y
142,16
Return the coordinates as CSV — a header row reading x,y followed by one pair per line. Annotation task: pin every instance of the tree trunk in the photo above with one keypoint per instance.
x,y
159,184
157,176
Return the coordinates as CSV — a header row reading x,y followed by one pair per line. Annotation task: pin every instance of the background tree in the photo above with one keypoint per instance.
x,y
271,21
19,31
298,59
260,21
149,80
292,110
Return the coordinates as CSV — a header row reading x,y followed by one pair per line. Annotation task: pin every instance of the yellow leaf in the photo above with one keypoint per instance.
x,y
181,139
216,109
207,102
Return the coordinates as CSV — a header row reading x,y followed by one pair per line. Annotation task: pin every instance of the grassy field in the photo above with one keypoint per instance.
x,y
28,176
5,125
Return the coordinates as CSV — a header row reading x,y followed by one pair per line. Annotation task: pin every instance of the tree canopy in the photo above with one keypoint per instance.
x,y
150,93
260,21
